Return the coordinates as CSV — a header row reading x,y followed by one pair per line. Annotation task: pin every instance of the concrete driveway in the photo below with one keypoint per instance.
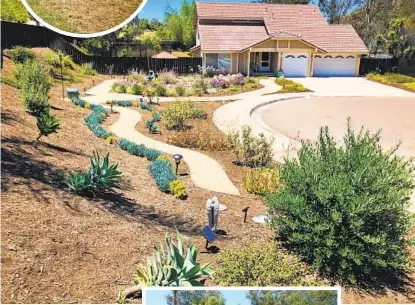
x,y
303,118
349,86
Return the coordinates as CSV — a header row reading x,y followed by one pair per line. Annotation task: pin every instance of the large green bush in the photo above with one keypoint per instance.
x,y
250,150
262,265
176,114
344,208
35,83
20,54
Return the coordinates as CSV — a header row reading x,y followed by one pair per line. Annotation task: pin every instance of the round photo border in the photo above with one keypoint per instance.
x,y
92,35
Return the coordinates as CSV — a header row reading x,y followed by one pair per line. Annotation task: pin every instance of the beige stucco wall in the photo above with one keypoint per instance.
x,y
274,62
296,44
283,43
234,65
242,62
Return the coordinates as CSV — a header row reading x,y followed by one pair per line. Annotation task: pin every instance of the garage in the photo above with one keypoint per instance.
x,y
334,65
295,65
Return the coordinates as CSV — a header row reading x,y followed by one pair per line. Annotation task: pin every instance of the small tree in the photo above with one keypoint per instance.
x,y
151,42
344,208
35,85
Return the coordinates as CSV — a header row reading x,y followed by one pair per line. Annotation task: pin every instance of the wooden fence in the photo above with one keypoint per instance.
x,y
13,34
403,65
124,65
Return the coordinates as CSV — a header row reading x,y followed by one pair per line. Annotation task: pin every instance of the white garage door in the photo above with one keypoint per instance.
x,y
295,65
334,65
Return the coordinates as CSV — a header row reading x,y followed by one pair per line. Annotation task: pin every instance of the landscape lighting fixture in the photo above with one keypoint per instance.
x,y
178,158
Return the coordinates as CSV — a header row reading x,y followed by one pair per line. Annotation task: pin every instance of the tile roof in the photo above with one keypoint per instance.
x,y
164,55
230,37
304,21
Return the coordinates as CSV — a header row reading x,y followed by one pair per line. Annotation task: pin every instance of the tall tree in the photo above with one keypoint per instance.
x,y
150,41
335,10
196,298
292,297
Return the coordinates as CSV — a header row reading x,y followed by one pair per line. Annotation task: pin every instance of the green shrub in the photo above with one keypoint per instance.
x,y
198,114
250,150
177,266
344,208
52,58
156,117
200,86
121,88
136,89
20,54
35,85
234,88
177,113
152,154
399,78
99,179
145,106
162,173
409,86
180,90
178,189
290,86
160,91
10,82
132,148
47,124
124,103
265,264
88,69
261,181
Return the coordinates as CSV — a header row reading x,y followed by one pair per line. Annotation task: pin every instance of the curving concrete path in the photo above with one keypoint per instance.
x,y
205,172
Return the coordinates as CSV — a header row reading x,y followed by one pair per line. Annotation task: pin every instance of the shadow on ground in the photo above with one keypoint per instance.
x,y
21,166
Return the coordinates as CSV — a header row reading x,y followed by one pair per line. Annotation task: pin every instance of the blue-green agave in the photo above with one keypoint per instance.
x,y
176,267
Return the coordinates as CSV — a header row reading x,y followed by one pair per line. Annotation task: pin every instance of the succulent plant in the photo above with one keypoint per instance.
x,y
152,154
175,267
162,172
47,124
77,182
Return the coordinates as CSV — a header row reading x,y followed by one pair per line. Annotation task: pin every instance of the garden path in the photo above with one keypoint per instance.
x,y
205,172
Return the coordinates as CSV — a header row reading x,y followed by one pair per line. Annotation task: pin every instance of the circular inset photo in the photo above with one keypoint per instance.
x,y
84,18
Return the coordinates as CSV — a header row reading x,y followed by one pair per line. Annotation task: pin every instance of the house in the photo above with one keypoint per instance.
x,y
257,38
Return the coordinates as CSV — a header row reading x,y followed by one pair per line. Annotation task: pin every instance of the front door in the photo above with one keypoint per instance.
x,y
265,62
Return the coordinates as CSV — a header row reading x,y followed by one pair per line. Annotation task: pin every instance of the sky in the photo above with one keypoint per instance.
x,y
156,8
233,297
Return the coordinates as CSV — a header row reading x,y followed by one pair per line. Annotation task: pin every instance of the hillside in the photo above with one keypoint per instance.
x,y
61,248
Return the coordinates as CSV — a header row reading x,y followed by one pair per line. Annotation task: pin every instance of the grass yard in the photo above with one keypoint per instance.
x,y
394,79
79,16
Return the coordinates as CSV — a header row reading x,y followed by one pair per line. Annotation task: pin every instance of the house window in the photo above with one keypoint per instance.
x,y
218,61
350,56
339,56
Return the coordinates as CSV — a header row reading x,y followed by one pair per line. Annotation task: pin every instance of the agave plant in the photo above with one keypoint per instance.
x,y
176,266
47,124
102,177
77,182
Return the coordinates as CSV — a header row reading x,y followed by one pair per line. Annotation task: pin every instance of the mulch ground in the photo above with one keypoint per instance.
x,y
61,248
80,16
